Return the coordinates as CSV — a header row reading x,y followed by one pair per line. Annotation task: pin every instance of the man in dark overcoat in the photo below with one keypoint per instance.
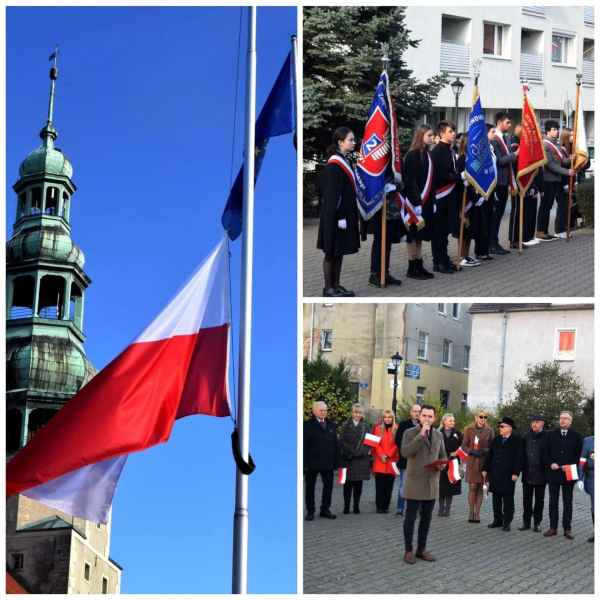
x,y
413,421
563,448
586,473
502,468
534,474
321,457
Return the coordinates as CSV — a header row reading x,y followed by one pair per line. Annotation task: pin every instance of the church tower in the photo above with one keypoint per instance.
x,y
47,551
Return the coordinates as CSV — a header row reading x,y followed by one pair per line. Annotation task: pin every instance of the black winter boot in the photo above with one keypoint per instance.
x,y
424,272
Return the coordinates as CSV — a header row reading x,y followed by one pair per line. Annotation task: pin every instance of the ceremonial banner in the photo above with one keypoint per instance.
x,y
570,472
371,440
480,166
580,150
379,161
342,473
532,154
453,471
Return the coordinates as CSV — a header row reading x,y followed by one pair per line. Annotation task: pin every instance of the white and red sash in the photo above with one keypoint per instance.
x,y
409,216
341,162
555,149
512,184
445,190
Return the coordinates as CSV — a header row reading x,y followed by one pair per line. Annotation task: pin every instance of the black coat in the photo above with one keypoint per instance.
x,y
502,462
338,201
355,456
534,470
321,451
414,177
402,427
445,171
562,451
452,444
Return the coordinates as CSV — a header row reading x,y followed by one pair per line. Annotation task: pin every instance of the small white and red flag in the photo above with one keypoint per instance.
x,y
453,471
460,453
570,472
395,468
582,461
371,440
476,442
342,474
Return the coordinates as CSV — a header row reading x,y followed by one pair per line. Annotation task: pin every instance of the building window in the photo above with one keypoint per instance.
x,y
455,311
444,398
561,49
423,348
467,357
51,207
104,585
326,340
565,344
464,402
447,353
36,200
420,395
18,561
441,307
87,568
493,37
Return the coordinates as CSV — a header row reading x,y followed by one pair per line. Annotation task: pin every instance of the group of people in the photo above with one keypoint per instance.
x,y
420,457
433,180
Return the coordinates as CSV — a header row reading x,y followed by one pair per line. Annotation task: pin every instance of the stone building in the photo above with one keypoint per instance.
x,y
507,338
47,551
433,340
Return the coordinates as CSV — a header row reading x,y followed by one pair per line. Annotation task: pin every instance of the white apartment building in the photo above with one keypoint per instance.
x,y
546,45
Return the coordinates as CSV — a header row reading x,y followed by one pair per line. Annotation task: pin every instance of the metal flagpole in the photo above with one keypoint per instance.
x,y
240,521
573,150
383,254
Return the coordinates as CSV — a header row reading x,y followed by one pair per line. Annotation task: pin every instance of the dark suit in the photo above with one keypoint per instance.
x,y
534,477
321,456
502,462
562,450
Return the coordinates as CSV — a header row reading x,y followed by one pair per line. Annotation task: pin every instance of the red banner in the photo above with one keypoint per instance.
x,y
532,155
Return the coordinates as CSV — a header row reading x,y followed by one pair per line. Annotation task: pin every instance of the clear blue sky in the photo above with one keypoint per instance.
x,y
144,111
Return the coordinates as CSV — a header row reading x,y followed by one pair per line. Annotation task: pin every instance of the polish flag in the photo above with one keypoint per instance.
x,y
395,468
582,461
175,368
453,471
342,474
371,440
462,454
570,472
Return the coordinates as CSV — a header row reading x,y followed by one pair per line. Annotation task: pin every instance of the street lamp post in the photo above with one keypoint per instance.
x,y
457,87
396,360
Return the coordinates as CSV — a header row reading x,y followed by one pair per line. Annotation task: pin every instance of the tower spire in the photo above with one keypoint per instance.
x,y
48,133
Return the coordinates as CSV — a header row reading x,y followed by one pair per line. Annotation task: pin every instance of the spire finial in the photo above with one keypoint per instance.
x,y
48,133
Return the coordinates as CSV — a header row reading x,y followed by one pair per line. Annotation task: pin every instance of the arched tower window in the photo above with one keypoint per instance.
x,y
37,419
51,204
21,305
64,213
51,297
76,305
14,420
36,200
22,205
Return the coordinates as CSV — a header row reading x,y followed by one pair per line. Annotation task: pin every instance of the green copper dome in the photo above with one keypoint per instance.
x,y
46,159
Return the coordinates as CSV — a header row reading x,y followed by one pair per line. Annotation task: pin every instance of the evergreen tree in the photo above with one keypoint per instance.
x,y
342,64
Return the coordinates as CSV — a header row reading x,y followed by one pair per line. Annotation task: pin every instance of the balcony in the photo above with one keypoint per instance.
x,y
535,11
455,58
532,67
588,72
588,15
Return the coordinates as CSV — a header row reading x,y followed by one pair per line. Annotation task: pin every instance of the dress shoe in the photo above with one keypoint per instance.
x,y
484,257
346,511
399,513
506,528
332,293
346,293
499,250
356,510
310,516
409,558
425,556
524,527
327,514
536,528
591,539
494,525
375,280
443,269
425,274
380,511
549,533
569,535
391,280
476,520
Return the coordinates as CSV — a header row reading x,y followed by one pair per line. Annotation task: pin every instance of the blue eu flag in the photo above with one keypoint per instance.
x,y
277,117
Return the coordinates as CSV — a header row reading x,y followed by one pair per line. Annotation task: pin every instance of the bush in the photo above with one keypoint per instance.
x,y
585,200
462,417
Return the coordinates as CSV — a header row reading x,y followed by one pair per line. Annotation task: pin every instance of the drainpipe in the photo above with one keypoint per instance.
x,y
502,358
312,331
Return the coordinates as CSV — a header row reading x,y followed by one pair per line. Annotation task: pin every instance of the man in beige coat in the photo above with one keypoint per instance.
x,y
421,445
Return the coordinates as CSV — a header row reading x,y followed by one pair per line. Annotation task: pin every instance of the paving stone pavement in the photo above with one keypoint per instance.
x,y
556,268
362,554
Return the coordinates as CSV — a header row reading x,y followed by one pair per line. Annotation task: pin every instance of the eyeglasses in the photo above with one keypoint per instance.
x,y
482,417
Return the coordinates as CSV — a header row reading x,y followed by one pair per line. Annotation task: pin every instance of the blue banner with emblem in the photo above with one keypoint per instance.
x,y
480,167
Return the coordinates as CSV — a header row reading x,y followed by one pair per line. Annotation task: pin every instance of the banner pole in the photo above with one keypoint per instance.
x,y
462,226
521,198
573,147
383,249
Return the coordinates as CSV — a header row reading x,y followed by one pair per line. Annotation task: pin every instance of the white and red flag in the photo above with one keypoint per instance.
x,y
571,472
371,440
342,474
395,468
175,368
462,454
453,471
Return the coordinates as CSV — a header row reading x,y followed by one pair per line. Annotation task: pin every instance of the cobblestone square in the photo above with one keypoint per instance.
x,y
362,554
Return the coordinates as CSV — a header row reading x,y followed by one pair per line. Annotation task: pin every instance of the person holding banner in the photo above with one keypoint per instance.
x,y
418,191
452,441
338,224
445,207
386,456
502,467
561,457
355,457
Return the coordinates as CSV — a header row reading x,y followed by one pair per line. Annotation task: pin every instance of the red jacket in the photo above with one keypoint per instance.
x,y
387,446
